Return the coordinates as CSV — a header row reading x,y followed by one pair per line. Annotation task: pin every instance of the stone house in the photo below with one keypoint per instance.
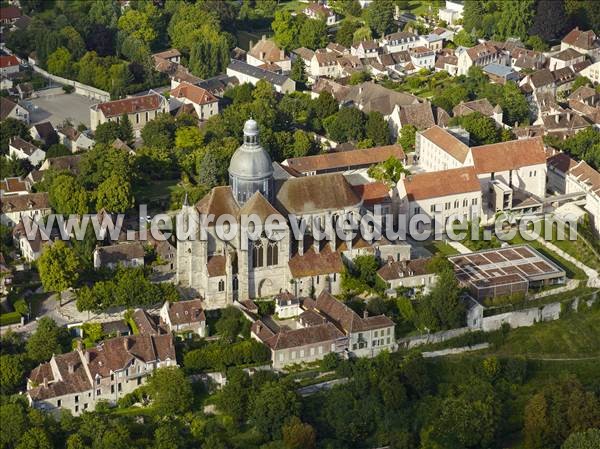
x,y
77,380
140,110
205,104
266,51
10,109
130,254
21,149
17,207
585,42
408,274
184,317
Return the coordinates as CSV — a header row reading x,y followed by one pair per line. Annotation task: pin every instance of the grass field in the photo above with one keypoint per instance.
x,y
574,336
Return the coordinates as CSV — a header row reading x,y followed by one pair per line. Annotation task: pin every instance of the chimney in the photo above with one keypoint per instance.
x,y
366,314
258,327
71,368
45,382
126,343
557,118
301,246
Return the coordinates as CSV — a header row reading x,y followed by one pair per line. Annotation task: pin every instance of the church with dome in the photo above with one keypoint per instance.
x,y
222,272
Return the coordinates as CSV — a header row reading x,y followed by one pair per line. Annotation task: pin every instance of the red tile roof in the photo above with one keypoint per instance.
x,y
131,105
346,160
193,93
509,155
8,61
441,183
447,142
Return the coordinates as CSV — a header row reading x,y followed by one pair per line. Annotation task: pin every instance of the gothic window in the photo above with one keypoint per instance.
x,y
257,255
235,283
272,254
221,285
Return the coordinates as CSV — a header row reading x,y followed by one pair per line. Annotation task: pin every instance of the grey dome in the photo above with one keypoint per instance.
x,y
250,160
250,168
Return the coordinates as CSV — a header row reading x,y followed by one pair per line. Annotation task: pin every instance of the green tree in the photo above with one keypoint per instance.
x,y
35,438
58,267
273,405
14,424
286,31
516,18
73,41
298,72
376,129
345,125
380,16
230,323
9,128
326,105
159,132
442,308
313,34
106,133
114,195
11,373
47,339
188,138
407,138
233,398
389,171
514,105
298,435
60,62
168,436
463,38
482,130
126,129
473,15
138,24
345,33
102,162
170,391
303,144
362,34
550,21
56,150
589,439
67,195
475,406
559,409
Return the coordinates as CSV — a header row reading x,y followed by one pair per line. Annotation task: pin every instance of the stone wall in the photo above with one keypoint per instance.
x,y
81,89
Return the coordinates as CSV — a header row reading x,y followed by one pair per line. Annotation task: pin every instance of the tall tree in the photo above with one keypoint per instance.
x,y
473,15
390,171
377,129
550,21
380,16
58,266
47,339
272,406
171,391
126,129
516,18
313,34
114,195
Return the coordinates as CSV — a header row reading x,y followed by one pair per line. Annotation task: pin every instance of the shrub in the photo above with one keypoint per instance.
x,y
10,318
68,89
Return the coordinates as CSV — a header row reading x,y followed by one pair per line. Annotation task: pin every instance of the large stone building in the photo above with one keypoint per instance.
x,y
77,380
223,271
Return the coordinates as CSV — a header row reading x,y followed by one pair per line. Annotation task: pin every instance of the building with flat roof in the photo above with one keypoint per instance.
x,y
505,271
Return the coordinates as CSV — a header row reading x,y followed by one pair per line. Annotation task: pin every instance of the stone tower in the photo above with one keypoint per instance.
x,y
250,168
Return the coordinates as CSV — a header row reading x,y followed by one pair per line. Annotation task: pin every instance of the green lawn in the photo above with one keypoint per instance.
x,y
421,7
574,336
439,247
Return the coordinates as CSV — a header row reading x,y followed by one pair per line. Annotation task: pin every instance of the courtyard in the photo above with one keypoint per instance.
x,y
55,106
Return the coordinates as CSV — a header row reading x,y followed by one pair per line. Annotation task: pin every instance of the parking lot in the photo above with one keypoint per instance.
x,y
55,106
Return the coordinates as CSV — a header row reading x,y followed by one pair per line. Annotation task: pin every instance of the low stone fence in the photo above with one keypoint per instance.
x,y
516,318
460,350
80,88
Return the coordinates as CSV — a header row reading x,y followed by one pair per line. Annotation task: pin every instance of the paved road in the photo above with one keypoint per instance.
x,y
55,106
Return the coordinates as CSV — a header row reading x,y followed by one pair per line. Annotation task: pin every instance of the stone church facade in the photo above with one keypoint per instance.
x,y
225,271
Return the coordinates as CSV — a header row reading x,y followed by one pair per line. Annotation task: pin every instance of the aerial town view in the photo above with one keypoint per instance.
x,y
300,224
